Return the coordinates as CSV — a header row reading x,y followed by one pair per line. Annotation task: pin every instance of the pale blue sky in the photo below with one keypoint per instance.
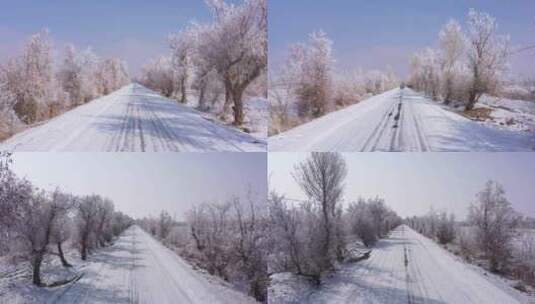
x,y
134,30
369,34
145,183
381,33
412,182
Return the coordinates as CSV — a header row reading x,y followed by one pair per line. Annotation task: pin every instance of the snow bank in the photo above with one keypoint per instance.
x,y
512,114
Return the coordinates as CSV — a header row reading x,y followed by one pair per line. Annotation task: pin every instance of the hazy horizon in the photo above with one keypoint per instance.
x,y
411,183
143,184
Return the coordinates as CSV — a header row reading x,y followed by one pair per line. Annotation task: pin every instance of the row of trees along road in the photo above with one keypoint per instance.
x,y
490,227
226,56
466,65
308,84
309,238
227,239
35,87
35,223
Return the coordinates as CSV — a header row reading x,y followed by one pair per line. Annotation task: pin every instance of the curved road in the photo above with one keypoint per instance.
x,y
133,118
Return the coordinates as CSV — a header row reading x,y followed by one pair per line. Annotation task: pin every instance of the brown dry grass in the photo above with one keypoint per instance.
x,y
480,114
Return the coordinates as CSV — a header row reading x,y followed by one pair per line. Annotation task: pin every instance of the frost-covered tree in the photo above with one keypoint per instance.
x,y
209,88
33,87
321,178
35,223
210,230
15,195
34,229
467,66
446,228
235,45
61,227
227,239
205,77
495,221
379,214
425,72
428,225
104,216
120,223
371,220
69,75
97,223
8,118
313,79
165,223
111,75
487,55
285,226
294,241
182,45
376,82
296,233
77,75
307,86
158,75
452,43
361,223
31,79
249,244
349,87
87,211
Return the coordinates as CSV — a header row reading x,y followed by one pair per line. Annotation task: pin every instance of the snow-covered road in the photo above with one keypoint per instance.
x,y
138,269
132,119
399,120
430,275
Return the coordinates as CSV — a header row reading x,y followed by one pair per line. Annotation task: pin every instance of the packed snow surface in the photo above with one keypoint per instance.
x,y
136,269
406,268
133,118
399,120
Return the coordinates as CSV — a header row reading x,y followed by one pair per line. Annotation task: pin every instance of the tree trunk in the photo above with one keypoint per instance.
x,y
238,106
36,263
493,264
62,256
198,243
472,99
449,87
257,290
226,105
202,106
183,91
474,90
83,249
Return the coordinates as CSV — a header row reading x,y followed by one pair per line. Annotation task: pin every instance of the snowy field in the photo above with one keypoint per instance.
x,y
132,119
429,275
399,120
136,269
512,114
